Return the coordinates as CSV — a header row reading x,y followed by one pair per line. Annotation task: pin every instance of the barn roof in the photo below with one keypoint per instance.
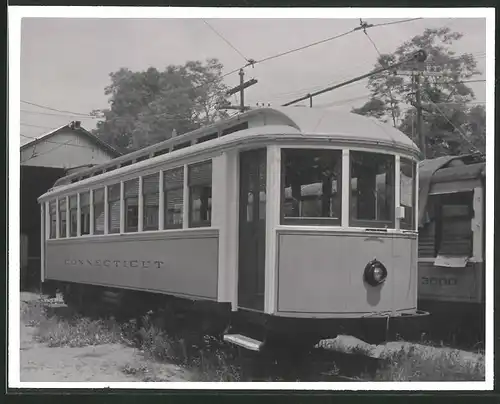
x,y
81,131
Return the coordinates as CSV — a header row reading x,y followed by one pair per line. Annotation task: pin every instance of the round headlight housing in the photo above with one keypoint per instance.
x,y
375,273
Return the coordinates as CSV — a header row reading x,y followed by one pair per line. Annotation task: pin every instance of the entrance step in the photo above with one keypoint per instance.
x,y
244,341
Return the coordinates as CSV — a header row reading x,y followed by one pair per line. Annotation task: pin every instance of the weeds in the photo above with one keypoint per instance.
x,y
207,359
78,333
414,365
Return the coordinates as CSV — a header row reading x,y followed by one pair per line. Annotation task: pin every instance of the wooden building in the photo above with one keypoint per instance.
x,y
45,159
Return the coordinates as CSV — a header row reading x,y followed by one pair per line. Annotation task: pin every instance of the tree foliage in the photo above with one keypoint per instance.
x,y
449,124
147,106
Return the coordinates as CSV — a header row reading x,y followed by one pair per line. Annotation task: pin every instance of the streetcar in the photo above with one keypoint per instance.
x,y
452,245
282,224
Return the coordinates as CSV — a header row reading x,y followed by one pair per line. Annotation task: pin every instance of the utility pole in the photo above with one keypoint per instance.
x,y
241,89
422,141
418,106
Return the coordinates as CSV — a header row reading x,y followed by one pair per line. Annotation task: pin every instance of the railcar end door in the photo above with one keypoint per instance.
x,y
252,229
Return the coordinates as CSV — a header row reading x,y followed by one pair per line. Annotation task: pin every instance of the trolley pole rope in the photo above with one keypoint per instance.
x,y
419,56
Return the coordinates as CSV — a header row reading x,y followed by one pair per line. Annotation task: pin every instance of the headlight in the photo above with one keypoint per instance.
x,y
375,273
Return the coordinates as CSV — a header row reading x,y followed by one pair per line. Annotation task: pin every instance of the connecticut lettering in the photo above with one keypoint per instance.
x,y
115,263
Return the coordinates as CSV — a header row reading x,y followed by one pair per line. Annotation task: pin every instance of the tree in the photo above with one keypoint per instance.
x,y
447,119
147,106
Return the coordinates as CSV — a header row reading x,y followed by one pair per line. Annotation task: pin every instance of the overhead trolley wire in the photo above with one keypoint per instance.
x,y
364,26
460,132
55,109
56,114
330,39
225,40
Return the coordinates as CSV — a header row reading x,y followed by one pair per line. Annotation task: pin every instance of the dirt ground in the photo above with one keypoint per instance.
x,y
102,363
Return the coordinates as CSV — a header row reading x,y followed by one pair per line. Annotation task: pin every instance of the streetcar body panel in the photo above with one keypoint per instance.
x,y
152,262
237,220
322,274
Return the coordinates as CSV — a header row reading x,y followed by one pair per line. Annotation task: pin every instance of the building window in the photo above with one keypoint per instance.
x,y
372,189
200,194
131,202
85,213
151,202
73,215
62,217
311,186
52,219
173,198
114,208
98,211
407,198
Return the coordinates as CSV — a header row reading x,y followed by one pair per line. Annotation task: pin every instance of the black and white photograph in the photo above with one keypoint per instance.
x,y
207,197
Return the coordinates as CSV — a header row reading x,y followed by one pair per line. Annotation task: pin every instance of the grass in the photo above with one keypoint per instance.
x,y
156,345
209,360
443,365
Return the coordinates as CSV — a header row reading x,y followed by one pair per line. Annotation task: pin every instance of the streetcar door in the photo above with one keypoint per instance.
x,y
252,229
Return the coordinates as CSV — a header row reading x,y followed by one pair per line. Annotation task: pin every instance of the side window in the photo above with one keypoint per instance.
x,y
151,202
372,189
114,208
85,213
98,211
131,195
453,224
407,198
62,217
73,215
52,218
200,194
311,187
173,197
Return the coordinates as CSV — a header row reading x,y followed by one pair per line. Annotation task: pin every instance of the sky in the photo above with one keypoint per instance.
x,y
66,62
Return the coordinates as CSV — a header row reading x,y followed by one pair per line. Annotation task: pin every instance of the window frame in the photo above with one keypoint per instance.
x,y
85,211
448,199
94,216
202,223
309,221
144,207
126,199
71,211
53,219
109,202
403,224
63,224
373,224
165,191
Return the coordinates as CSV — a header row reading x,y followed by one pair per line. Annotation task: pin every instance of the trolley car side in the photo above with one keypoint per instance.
x,y
239,223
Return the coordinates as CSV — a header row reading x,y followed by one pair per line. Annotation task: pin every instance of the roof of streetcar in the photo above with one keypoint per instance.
x,y
308,121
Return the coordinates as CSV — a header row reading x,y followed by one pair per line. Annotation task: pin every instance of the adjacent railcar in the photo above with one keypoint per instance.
x,y
452,245
288,223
